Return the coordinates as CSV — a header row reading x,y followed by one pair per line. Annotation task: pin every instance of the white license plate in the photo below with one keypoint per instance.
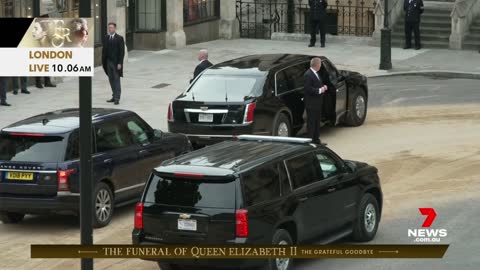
x,y
187,224
205,117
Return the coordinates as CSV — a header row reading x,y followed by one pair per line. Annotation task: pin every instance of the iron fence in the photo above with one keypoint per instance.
x,y
261,18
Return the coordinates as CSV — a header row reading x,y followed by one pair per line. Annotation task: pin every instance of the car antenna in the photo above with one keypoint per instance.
x,y
226,93
45,121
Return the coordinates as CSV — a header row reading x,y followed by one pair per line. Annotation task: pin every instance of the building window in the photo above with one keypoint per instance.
x,y
150,15
197,11
19,8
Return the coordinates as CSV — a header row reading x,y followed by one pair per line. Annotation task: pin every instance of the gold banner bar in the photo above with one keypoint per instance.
x,y
239,251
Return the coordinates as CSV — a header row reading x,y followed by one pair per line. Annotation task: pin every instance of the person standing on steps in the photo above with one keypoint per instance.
x,y
318,20
413,9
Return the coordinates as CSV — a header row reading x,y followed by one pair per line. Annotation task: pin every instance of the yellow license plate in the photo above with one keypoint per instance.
x,y
22,176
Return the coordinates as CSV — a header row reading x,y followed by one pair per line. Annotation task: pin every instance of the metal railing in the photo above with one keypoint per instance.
x,y
261,18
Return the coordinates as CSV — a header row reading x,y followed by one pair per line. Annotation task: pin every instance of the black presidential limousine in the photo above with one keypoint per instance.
x,y
263,95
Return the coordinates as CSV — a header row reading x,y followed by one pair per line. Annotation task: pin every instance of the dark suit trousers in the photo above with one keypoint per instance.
x,y
23,83
409,27
314,118
3,89
114,79
316,25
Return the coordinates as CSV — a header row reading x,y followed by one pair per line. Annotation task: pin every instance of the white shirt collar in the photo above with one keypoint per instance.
x,y
314,72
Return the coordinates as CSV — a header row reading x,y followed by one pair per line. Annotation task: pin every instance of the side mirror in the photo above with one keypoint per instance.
x,y
157,133
350,166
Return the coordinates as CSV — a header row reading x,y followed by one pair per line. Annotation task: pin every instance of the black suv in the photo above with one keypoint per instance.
x,y
39,162
258,190
263,95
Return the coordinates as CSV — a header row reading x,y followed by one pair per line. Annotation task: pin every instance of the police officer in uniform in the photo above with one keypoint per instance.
x,y
413,9
318,14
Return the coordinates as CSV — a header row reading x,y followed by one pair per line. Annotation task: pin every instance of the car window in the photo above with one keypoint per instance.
x,y
303,170
285,187
261,184
328,165
138,131
112,135
73,148
191,192
32,148
281,82
294,76
329,70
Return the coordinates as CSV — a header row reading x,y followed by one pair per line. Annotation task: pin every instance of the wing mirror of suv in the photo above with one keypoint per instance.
x,y
350,166
157,134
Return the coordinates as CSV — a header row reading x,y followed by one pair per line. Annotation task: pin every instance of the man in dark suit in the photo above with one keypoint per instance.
x,y
3,91
413,9
23,85
318,14
204,64
113,53
314,89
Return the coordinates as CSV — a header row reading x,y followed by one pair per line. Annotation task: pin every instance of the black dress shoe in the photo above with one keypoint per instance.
x,y
111,100
418,48
38,85
50,85
15,92
4,103
311,45
407,47
25,91
116,102
323,45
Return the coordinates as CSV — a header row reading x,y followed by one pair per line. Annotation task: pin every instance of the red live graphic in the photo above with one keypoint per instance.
x,y
431,215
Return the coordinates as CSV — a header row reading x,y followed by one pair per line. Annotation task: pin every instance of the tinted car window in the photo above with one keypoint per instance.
x,y
285,187
221,87
329,70
303,170
261,184
32,148
281,82
138,131
294,76
328,165
111,136
191,193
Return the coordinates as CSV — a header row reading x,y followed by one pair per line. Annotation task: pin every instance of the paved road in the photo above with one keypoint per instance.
x,y
424,161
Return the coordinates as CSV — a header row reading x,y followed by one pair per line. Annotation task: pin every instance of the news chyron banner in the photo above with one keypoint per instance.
x,y
36,47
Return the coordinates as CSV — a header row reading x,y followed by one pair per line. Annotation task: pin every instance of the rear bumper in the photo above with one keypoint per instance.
x,y
209,134
137,238
67,202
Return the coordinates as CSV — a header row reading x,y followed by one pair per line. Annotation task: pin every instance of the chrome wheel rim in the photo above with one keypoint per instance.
x,y
103,205
282,263
282,130
360,107
370,218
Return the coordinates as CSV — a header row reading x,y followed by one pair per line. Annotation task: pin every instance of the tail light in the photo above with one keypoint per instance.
x,y
189,175
249,113
139,216
170,113
63,179
241,217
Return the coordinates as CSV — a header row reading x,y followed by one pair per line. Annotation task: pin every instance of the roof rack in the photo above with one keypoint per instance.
x,y
274,139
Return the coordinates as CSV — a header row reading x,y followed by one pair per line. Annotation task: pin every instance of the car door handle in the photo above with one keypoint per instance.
x,y
303,199
108,160
143,152
331,190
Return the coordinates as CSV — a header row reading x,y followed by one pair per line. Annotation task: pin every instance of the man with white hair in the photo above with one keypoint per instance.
x,y
204,64
314,89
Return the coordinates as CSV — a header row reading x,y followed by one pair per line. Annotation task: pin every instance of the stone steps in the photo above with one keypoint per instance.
x,y
472,39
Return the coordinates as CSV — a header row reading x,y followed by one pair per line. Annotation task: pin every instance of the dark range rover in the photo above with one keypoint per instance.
x,y
263,95
39,162
258,190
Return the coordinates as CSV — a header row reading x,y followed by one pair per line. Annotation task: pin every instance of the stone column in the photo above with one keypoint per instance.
x,y
175,35
229,25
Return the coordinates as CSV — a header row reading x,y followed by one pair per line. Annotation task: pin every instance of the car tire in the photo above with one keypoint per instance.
x,y
357,108
282,126
368,217
280,237
103,205
11,218
168,266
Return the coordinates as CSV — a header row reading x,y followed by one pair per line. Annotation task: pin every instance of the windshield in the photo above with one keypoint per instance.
x,y
191,193
32,148
219,87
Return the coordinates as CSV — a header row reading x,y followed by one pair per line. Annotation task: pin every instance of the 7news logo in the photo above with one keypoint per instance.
x,y
427,235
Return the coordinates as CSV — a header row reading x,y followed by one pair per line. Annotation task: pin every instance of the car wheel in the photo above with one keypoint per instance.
x,y
368,217
357,108
282,126
103,205
167,266
281,237
11,218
